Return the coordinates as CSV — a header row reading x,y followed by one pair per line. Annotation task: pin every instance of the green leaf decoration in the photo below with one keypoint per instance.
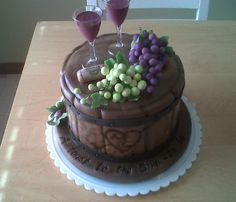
x,y
165,39
141,38
112,61
134,98
98,100
120,58
54,121
169,50
52,109
108,63
60,104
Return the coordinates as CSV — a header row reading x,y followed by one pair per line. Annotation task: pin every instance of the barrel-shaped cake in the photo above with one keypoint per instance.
x,y
122,131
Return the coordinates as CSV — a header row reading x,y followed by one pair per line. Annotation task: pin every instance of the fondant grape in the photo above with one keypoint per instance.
x,y
101,92
151,37
122,77
83,101
138,69
105,70
132,58
130,71
162,50
104,81
107,95
152,70
113,81
99,84
156,42
146,43
135,91
137,77
122,67
150,89
92,87
138,46
152,62
147,56
136,53
76,91
119,87
116,72
145,50
149,76
158,68
134,83
115,66
142,85
143,63
116,97
153,81
128,80
154,48
145,33
126,92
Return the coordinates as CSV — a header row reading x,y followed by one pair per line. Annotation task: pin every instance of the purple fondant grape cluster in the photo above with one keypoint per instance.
x,y
151,53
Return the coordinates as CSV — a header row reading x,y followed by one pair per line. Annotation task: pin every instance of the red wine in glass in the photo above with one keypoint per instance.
x,y
117,11
88,20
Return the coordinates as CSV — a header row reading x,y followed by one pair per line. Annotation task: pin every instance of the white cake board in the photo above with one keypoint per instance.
x,y
154,184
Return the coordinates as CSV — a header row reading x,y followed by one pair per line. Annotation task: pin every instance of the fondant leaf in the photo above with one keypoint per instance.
x,y
141,38
169,50
60,104
54,121
164,40
97,100
120,58
52,109
134,98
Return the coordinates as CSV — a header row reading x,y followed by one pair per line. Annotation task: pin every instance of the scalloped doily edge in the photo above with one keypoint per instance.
x,y
131,189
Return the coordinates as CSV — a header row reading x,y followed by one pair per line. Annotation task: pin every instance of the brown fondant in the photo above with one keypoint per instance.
x,y
123,141
128,169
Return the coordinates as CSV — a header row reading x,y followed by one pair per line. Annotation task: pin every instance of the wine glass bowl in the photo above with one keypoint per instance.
x,y
88,19
117,11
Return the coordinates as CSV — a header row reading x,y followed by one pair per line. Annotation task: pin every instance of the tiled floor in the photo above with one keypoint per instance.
x,y
8,86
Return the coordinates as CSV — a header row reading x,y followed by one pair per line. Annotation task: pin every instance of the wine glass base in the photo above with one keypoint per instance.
x,y
113,49
93,67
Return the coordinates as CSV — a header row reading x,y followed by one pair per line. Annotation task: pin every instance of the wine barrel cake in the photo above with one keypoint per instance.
x,y
112,141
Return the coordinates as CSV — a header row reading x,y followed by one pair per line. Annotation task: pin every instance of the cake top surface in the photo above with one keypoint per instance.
x,y
170,83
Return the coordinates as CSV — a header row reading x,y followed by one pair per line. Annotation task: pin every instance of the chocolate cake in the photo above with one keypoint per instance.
x,y
113,141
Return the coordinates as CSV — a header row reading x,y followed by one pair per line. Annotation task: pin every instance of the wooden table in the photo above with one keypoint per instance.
x,y
208,52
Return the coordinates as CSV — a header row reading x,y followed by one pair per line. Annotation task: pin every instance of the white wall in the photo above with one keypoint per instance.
x,y
18,19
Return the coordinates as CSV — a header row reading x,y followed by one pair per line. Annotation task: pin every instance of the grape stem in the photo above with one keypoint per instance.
x,y
119,42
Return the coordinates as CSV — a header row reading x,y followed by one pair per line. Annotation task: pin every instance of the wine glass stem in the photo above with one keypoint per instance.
x,y
119,43
92,51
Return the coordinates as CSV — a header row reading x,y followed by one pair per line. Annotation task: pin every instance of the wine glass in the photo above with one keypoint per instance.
x,y
88,19
117,11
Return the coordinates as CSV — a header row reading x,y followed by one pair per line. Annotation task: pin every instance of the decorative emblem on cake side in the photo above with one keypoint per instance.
x,y
123,141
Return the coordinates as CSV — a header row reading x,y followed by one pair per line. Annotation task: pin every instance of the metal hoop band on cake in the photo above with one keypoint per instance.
x,y
123,122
